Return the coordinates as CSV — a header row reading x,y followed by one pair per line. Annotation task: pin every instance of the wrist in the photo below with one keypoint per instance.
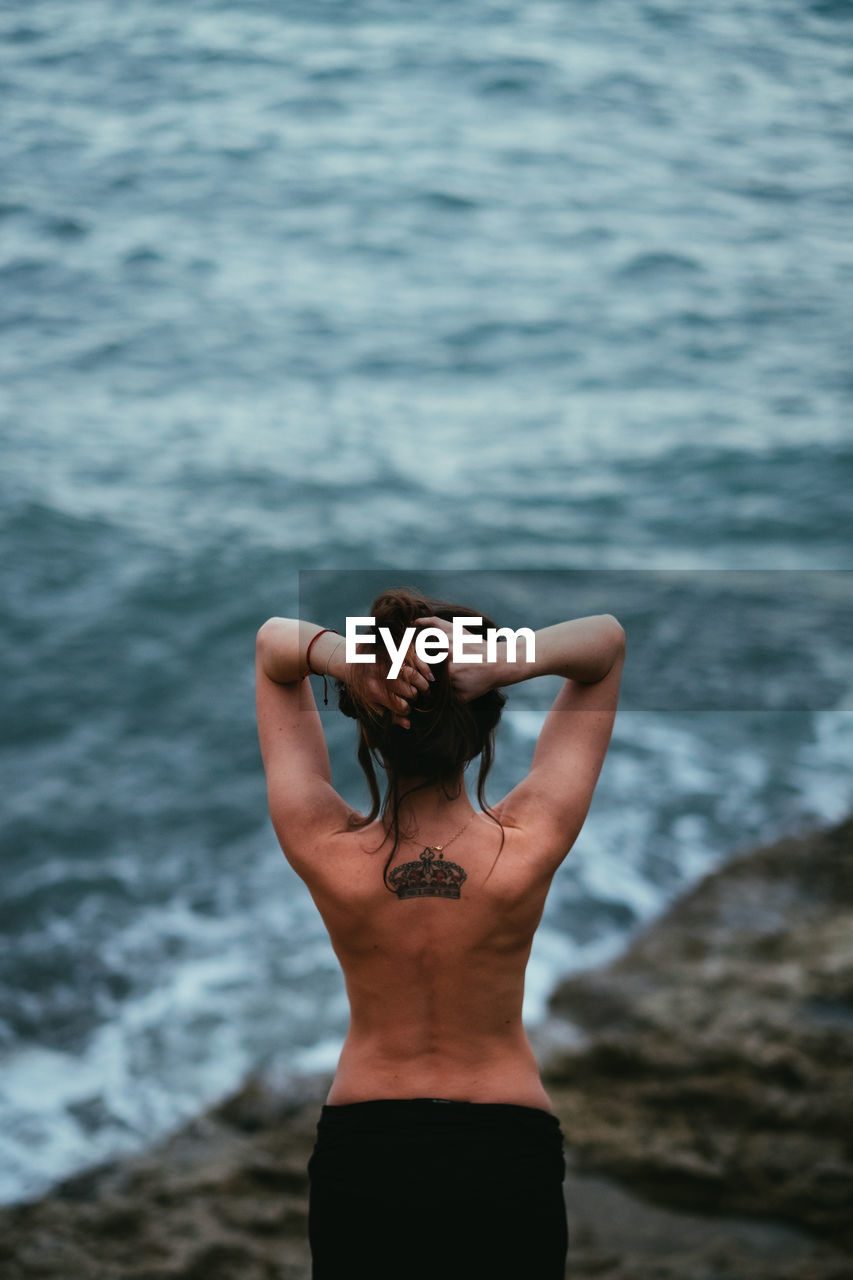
x,y
513,665
322,658
502,672
336,666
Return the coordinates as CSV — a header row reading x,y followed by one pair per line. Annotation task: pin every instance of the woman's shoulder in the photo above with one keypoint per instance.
x,y
317,830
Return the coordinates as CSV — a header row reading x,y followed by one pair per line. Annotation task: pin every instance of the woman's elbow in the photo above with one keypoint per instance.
x,y
271,629
617,631
618,641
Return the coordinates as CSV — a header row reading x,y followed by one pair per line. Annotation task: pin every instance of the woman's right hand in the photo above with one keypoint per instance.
x,y
468,680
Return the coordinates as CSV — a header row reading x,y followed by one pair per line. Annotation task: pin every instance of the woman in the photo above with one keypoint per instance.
x,y
438,1153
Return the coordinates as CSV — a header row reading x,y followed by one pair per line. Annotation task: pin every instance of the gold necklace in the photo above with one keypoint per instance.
x,y
439,847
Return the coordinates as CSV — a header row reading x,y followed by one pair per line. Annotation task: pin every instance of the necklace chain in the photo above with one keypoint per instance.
x,y
439,847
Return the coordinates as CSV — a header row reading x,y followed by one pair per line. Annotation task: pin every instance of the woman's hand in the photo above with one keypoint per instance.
x,y
398,695
468,680
375,689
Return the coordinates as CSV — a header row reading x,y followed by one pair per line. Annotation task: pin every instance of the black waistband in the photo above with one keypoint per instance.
x,y
378,1112
392,1147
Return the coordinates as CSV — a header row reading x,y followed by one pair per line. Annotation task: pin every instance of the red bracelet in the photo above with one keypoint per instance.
x,y
308,661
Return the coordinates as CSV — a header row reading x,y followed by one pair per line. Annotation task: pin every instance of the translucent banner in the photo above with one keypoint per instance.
x,y
704,640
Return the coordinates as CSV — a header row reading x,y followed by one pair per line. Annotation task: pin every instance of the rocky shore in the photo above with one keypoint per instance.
x,y
704,1082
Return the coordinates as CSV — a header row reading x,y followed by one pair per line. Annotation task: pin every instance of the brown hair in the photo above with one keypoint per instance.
x,y
446,733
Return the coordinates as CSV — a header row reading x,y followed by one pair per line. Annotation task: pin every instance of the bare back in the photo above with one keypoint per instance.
x,y
435,984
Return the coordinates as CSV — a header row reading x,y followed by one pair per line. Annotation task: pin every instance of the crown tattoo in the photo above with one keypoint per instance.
x,y
428,877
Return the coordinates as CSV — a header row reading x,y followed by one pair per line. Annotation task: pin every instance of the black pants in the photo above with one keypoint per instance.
x,y
405,1189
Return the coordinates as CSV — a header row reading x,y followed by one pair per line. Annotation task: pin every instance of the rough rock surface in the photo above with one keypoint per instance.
x,y
713,1063
704,1085
224,1199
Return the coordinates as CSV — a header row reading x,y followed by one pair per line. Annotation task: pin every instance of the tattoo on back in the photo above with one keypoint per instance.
x,y
430,876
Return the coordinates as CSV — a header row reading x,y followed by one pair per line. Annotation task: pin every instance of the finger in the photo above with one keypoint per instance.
x,y
423,670
432,621
405,684
391,698
415,677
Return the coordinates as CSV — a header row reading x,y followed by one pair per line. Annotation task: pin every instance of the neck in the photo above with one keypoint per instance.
x,y
429,814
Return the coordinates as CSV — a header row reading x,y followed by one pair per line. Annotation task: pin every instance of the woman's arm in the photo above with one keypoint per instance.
x,y
550,805
301,797
580,649
303,803
282,646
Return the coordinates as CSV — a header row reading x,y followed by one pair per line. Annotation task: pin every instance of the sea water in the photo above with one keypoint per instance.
x,y
337,286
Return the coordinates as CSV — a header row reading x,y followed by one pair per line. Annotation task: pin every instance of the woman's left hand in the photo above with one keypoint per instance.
x,y
398,695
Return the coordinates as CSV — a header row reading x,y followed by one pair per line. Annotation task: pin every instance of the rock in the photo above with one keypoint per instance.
x,y
224,1199
713,1061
